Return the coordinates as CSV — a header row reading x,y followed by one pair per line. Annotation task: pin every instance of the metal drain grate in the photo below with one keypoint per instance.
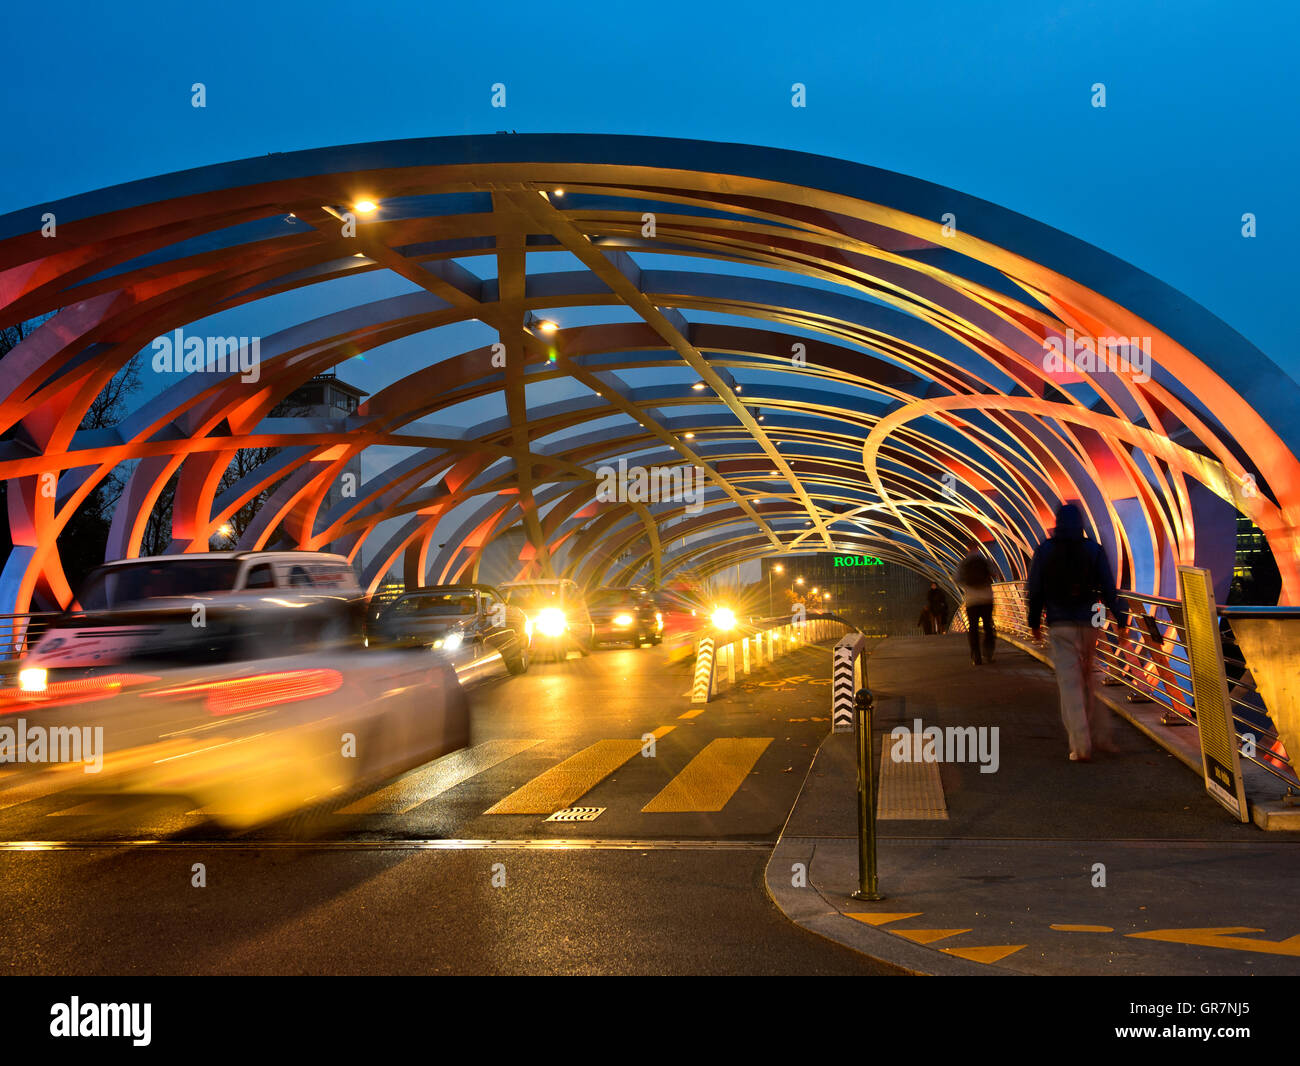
x,y
577,814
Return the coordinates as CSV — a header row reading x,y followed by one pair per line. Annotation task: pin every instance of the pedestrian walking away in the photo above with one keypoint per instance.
x,y
926,621
1068,576
937,602
975,576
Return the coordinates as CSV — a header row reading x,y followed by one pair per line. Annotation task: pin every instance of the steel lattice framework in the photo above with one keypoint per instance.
x,y
918,415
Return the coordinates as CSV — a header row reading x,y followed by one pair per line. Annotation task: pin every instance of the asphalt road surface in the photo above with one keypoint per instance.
x,y
456,867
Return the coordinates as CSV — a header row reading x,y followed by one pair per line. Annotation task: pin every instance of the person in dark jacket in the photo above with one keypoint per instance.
x,y
937,603
975,576
1068,576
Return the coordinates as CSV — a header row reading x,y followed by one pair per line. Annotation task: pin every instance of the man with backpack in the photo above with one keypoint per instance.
x,y
1069,574
975,576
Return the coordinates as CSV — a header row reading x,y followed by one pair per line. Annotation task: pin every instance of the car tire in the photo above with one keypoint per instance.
x,y
519,664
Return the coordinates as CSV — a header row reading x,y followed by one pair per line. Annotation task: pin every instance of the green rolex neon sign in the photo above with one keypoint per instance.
x,y
856,560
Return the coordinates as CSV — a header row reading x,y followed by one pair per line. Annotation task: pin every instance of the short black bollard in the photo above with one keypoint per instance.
x,y
867,887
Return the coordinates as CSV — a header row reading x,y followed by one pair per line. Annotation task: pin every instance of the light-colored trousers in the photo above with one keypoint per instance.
x,y
1086,718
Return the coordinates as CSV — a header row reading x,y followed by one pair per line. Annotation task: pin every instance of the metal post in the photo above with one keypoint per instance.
x,y
867,885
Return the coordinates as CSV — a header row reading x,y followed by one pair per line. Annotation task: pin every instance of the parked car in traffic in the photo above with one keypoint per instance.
x,y
625,614
471,625
557,614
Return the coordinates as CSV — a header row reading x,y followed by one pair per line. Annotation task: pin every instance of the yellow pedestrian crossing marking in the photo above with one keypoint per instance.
x,y
563,785
710,779
1083,928
430,782
986,955
707,783
124,804
692,714
48,782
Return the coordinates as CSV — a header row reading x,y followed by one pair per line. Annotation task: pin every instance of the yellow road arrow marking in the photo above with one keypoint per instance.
x,y
1225,938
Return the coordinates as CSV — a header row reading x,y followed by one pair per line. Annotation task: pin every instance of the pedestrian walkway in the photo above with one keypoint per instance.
x,y
1029,863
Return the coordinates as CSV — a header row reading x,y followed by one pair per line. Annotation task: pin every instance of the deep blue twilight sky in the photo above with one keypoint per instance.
x,y
992,99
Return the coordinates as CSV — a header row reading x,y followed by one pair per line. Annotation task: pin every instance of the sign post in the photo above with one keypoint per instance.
x,y
1220,756
846,673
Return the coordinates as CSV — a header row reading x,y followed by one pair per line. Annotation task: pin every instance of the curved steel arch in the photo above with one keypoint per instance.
x,y
897,365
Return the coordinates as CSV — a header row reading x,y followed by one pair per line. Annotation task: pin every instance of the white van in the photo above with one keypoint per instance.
x,y
132,581
205,607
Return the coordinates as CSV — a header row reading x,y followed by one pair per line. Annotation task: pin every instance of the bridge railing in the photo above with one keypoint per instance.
x,y
720,657
1153,665
20,632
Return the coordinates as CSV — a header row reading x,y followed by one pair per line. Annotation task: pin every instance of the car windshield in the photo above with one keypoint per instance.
x,y
113,586
436,603
612,598
536,596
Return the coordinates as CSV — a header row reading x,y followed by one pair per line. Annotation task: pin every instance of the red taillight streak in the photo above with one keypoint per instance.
x,y
235,695
73,690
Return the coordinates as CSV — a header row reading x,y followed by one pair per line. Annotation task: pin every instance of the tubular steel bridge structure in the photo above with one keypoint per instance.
x,y
856,360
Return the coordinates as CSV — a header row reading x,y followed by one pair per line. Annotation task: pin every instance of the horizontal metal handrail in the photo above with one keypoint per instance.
x,y
18,632
1153,664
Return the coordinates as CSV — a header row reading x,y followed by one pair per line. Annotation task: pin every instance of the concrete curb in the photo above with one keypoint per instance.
x,y
808,908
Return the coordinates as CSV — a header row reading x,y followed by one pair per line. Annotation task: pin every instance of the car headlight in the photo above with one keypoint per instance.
x,y
724,618
452,641
33,679
551,622
622,619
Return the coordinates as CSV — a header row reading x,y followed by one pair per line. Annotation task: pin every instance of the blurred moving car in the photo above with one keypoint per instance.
x,y
127,581
471,625
629,614
684,618
557,613
251,704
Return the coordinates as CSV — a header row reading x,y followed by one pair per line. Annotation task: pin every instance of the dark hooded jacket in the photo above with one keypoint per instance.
x,y
1069,574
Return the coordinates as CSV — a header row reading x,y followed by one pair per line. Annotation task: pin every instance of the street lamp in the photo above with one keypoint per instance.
x,y
771,603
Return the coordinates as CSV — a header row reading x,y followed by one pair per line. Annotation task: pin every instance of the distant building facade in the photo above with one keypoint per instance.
x,y
881,597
